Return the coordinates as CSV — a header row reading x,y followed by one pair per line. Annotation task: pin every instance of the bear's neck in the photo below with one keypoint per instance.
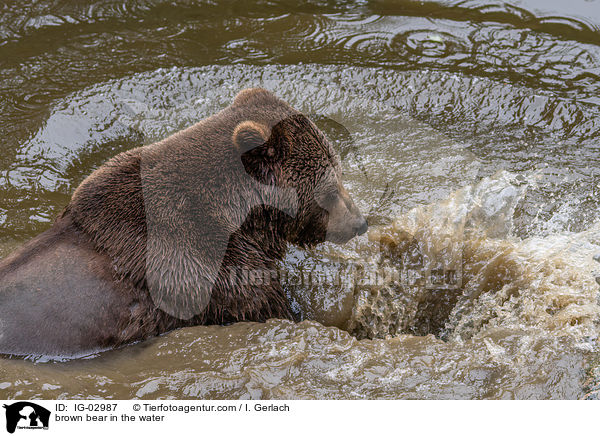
x,y
265,230
109,208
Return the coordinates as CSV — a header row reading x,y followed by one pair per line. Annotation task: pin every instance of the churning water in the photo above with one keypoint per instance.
x,y
469,137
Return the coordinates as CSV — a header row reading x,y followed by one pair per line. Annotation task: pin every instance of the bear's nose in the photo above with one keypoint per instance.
x,y
361,226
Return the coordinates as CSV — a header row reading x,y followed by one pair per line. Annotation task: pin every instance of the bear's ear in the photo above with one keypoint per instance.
x,y
261,150
249,135
246,95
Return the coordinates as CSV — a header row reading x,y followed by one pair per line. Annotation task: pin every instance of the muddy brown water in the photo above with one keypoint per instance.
x,y
469,134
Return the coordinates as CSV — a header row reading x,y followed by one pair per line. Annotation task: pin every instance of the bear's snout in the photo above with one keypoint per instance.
x,y
360,225
342,230
345,220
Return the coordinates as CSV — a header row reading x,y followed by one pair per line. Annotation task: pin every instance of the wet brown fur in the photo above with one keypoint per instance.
x,y
91,288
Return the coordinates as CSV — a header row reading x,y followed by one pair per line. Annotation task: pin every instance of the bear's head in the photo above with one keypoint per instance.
x,y
281,147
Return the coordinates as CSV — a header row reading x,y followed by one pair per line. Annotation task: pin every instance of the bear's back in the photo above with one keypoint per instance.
x,y
58,273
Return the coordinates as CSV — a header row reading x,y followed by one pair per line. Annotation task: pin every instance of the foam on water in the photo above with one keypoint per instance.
x,y
463,274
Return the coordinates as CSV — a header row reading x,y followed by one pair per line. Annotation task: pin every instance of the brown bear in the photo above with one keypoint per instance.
x,y
169,234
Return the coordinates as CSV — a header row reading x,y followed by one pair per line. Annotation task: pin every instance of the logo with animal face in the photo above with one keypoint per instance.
x,y
26,415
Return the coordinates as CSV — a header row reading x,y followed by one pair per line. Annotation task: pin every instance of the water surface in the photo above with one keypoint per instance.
x,y
469,137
